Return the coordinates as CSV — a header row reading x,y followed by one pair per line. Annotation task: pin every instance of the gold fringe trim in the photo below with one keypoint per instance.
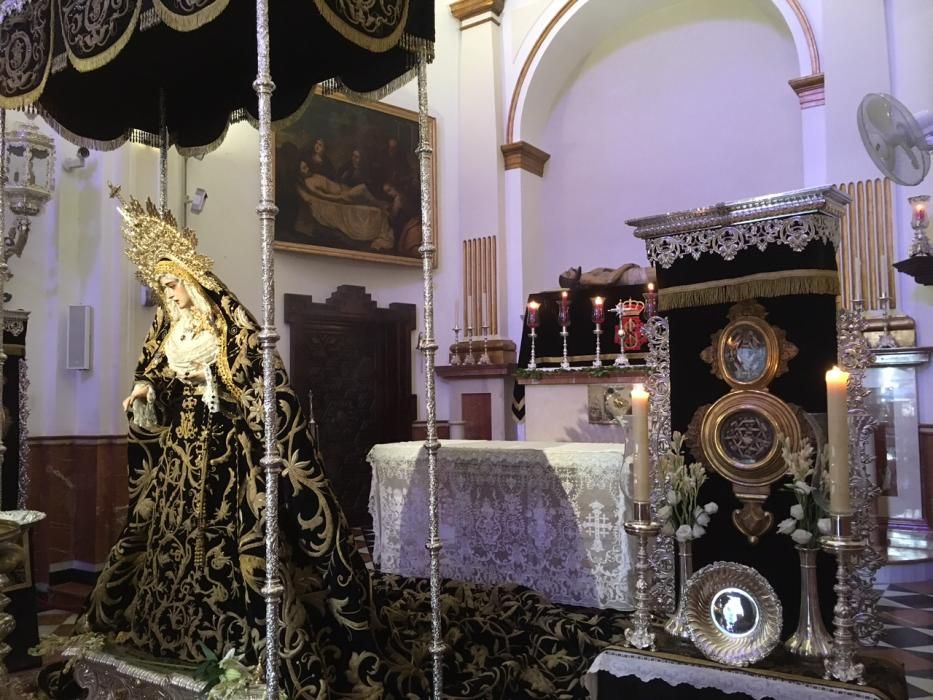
x,y
149,19
188,23
362,40
336,86
85,65
765,284
28,99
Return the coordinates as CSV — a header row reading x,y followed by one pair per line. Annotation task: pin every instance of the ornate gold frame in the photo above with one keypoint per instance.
x,y
779,416
780,350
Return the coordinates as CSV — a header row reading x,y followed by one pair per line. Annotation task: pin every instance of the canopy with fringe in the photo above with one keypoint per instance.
x,y
97,70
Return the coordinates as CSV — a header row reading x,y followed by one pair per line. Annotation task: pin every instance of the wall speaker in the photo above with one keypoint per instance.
x,y
78,341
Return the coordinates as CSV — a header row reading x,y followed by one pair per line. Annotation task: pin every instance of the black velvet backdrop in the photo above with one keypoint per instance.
x,y
809,321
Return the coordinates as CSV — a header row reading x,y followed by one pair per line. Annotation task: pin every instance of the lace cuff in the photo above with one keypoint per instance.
x,y
144,414
210,397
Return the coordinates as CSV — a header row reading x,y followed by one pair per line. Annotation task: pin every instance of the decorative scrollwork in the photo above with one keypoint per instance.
x,y
661,560
375,18
93,28
855,357
23,492
796,232
25,47
13,326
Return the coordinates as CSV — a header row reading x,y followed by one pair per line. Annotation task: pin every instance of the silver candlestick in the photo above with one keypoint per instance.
x,y
455,355
531,363
564,362
598,331
484,358
886,340
841,664
469,359
639,635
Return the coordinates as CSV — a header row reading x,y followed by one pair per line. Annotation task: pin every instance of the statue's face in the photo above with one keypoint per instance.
x,y
175,292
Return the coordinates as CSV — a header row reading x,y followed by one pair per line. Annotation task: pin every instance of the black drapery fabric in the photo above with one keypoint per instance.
x,y
204,60
809,321
581,342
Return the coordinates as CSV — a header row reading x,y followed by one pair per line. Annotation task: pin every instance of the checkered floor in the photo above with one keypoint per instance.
x,y
906,610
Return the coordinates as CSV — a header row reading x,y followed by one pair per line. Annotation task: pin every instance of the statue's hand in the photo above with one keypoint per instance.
x,y
139,392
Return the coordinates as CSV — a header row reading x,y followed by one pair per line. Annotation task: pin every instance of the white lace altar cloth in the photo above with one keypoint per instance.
x,y
545,515
757,683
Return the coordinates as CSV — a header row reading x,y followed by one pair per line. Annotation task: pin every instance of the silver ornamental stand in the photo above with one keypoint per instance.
x,y
429,348
841,664
642,526
661,559
271,461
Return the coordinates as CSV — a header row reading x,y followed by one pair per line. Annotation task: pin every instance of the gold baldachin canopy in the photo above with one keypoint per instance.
x,y
151,236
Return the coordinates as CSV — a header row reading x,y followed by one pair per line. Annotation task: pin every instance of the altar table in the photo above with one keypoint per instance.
x,y
677,671
545,515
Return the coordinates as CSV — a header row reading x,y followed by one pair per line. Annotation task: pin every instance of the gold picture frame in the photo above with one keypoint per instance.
x,y
344,190
733,614
749,352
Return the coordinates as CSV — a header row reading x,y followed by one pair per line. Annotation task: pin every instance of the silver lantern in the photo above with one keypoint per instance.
x,y
30,181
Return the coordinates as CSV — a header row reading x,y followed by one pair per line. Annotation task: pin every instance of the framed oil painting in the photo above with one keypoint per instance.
x,y
347,182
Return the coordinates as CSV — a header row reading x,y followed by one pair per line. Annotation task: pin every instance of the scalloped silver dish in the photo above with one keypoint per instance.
x,y
732,613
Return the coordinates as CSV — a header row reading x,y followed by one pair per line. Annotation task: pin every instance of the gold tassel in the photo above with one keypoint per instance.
x,y
762,285
337,23
188,23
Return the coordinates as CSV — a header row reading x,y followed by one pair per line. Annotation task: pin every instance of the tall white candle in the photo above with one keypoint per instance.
x,y
884,275
456,312
640,399
837,424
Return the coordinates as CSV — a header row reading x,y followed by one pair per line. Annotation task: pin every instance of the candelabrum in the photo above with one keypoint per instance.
x,y
639,635
455,355
919,222
598,331
621,358
564,362
886,340
469,359
531,363
840,664
484,358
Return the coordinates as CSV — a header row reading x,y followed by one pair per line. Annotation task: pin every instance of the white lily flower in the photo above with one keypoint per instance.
x,y
672,497
703,518
823,525
796,512
801,536
684,533
697,511
711,508
785,527
667,529
802,487
698,532
664,513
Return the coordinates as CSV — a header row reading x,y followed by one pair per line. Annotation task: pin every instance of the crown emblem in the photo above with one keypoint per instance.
x,y
152,236
632,307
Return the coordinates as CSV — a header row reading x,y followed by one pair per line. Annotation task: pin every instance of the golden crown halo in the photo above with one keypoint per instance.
x,y
152,236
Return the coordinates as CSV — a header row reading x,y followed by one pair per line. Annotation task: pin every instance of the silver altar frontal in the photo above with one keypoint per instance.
x,y
544,515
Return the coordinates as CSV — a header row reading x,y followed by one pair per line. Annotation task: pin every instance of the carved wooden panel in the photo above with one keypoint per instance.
x,y
356,359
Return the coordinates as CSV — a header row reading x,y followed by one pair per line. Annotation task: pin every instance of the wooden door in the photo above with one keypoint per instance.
x,y
356,359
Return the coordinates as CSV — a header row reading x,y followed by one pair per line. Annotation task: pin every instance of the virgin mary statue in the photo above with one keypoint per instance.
x,y
185,574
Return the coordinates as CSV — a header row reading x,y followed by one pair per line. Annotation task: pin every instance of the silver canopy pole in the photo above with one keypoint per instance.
x,y
271,461
429,349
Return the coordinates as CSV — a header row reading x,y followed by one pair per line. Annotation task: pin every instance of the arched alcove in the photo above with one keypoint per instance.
x,y
647,107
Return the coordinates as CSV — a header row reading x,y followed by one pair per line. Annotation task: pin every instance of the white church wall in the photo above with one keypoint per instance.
x,y
685,106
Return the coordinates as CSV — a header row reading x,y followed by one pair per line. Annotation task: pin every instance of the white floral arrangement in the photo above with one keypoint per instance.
x,y
679,513
808,472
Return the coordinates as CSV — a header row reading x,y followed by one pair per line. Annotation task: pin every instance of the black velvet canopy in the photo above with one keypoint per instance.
x,y
96,70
